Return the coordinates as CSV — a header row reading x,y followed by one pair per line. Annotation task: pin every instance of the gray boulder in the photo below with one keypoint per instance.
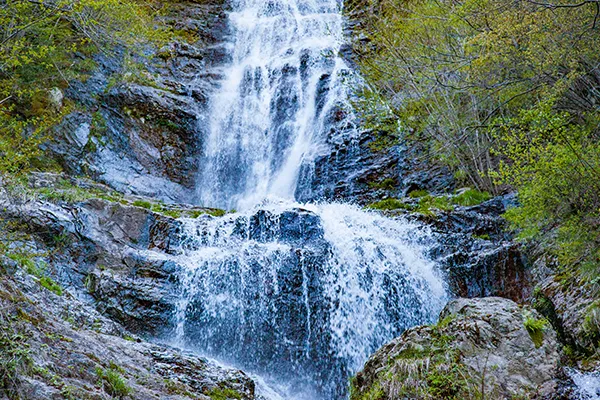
x,y
482,348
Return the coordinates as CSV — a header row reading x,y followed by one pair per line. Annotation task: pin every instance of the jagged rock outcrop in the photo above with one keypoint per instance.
x,y
479,254
55,346
111,250
140,123
481,348
572,305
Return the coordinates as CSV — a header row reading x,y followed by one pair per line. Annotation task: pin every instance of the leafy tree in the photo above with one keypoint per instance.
x,y
44,45
505,92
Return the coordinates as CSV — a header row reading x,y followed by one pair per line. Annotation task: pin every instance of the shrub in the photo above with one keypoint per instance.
x,y
535,328
113,382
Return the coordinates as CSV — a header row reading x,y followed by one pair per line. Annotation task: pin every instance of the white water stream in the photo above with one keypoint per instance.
x,y
282,91
301,294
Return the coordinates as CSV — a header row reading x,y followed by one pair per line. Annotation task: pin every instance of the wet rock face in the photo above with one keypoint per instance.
x,y
109,251
479,345
356,170
142,130
572,306
275,293
63,348
478,253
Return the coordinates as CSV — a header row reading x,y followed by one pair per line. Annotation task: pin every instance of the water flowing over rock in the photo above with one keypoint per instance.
x,y
282,100
303,295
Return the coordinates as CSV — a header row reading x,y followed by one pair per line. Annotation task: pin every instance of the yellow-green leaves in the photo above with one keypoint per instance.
x,y
506,93
45,45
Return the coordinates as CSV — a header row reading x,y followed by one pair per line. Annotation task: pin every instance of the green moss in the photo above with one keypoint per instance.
x,y
51,285
415,194
216,212
428,205
175,387
224,394
143,204
385,184
485,236
374,393
535,328
172,213
113,382
25,260
471,197
68,192
389,204
591,323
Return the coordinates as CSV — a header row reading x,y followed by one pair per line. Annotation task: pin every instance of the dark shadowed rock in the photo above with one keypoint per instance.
x,y
63,349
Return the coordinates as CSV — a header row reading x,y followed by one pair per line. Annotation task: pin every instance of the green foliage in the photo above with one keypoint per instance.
x,y
224,394
555,163
45,45
51,285
15,357
506,94
113,382
471,197
535,328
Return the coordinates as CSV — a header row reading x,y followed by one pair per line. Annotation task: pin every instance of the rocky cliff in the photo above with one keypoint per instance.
x,y
87,288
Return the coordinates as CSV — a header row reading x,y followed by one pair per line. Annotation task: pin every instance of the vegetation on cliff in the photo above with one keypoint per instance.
x,y
45,45
506,93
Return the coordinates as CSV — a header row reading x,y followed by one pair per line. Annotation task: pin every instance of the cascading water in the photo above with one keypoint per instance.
x,y
298,293
282,94
302,294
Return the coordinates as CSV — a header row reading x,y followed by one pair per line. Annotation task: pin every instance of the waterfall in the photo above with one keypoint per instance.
x,y
301,294
282,94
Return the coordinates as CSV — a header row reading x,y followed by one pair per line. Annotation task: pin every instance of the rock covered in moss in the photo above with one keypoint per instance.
x,y
57,347
572,305
481,348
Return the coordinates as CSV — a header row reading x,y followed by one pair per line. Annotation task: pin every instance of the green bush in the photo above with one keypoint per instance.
x,y
535,328
533,127
113,382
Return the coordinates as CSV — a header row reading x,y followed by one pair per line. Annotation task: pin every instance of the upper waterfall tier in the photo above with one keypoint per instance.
x,y
282,96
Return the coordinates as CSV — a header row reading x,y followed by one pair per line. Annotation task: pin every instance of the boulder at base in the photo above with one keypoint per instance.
x,y
488,348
